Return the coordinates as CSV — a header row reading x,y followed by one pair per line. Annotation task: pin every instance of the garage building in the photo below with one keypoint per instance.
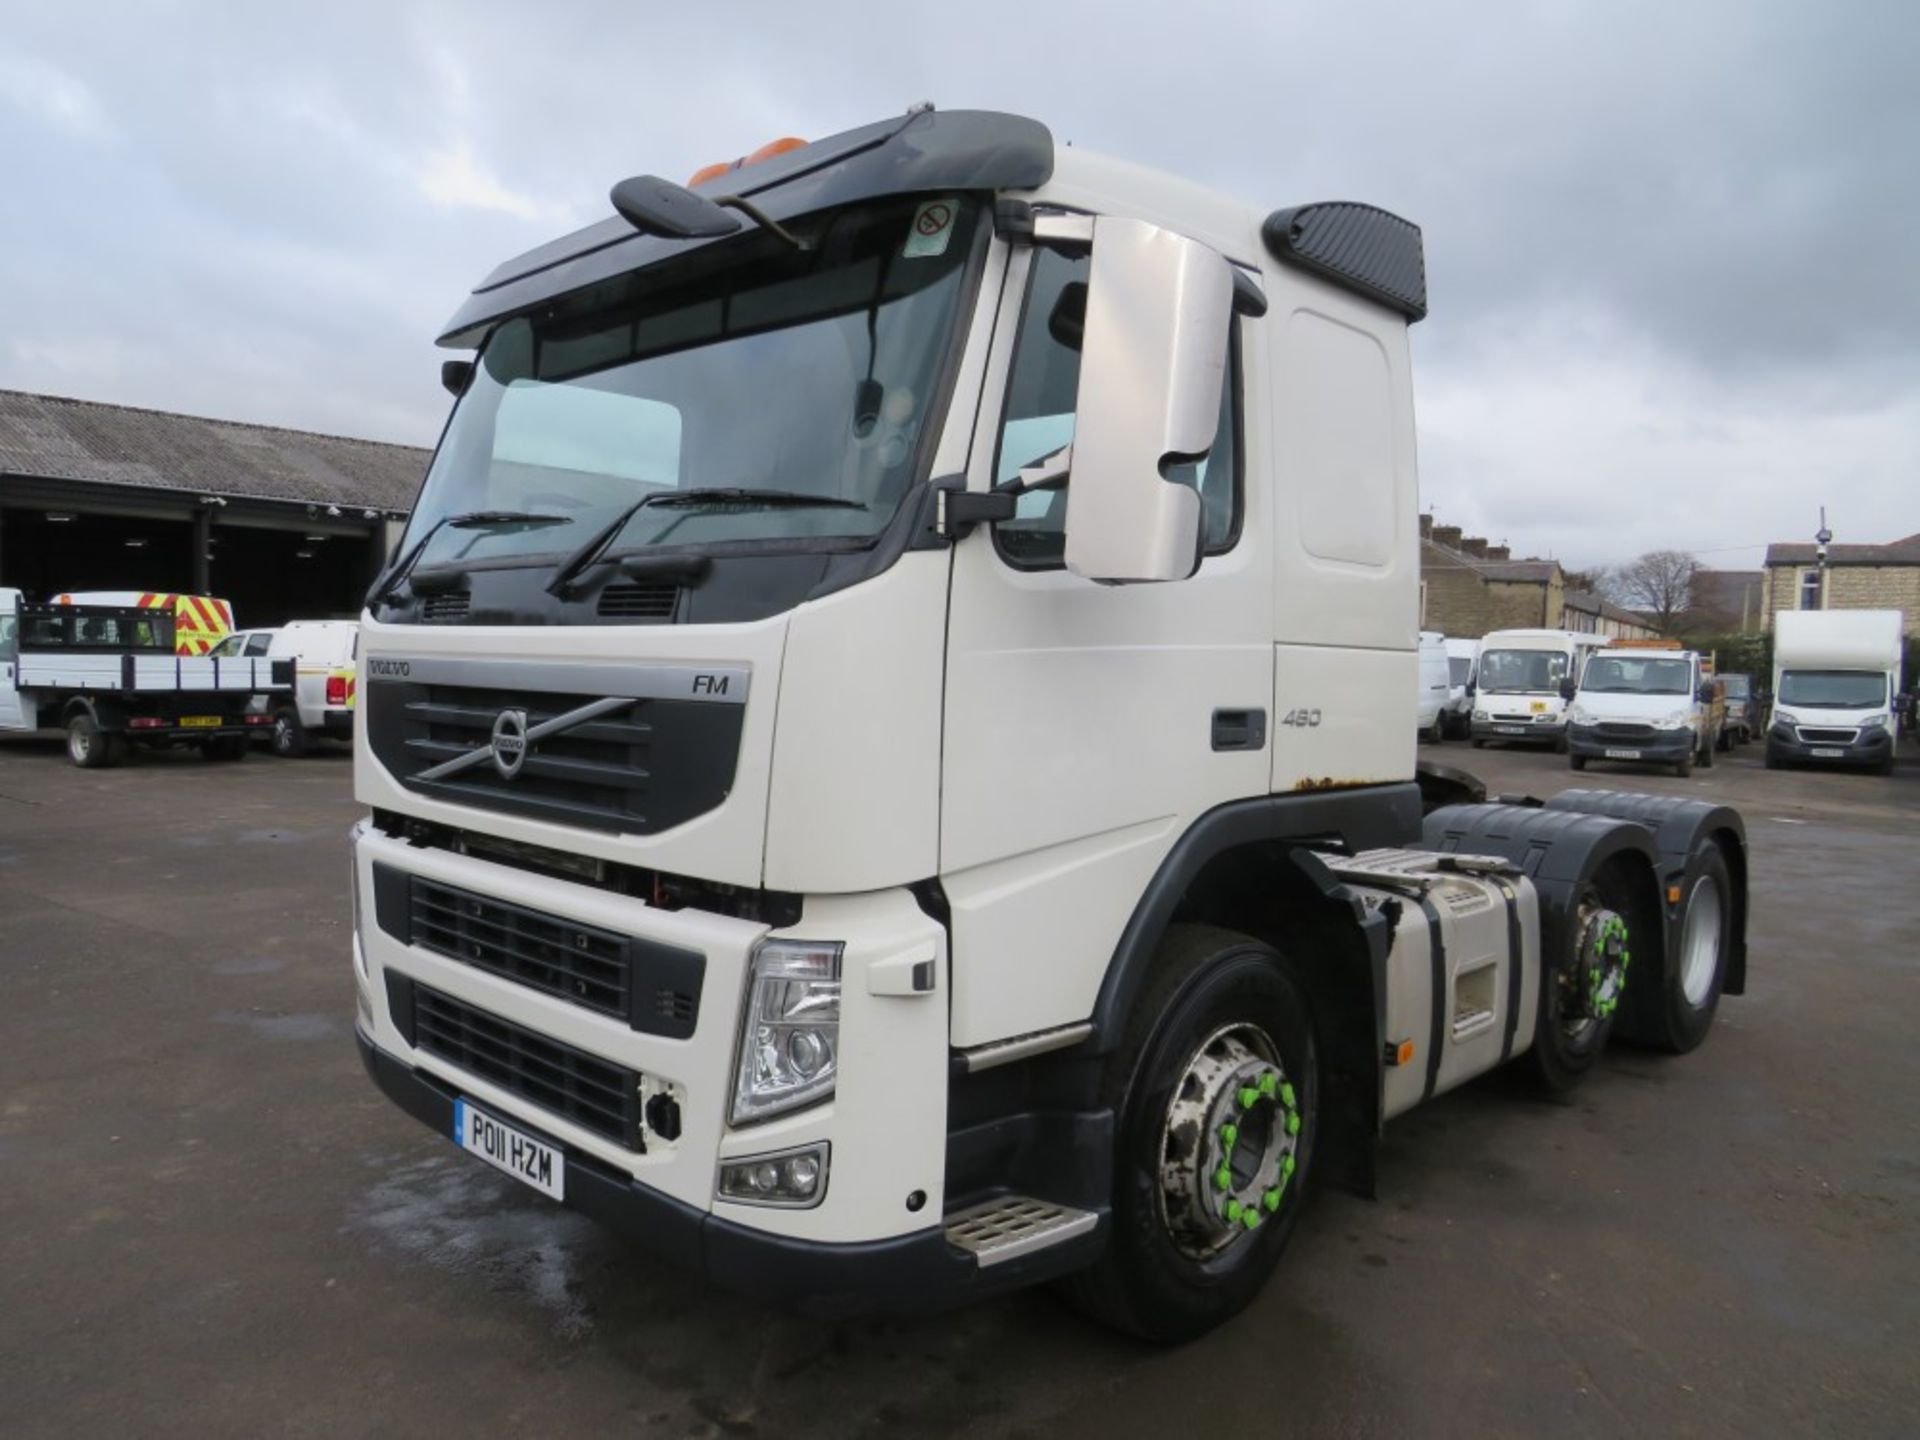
x,y
282,523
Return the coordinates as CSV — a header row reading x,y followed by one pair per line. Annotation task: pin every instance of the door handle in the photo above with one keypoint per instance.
x,y
1239,729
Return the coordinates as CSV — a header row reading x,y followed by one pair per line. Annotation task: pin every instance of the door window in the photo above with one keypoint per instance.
x,y
9,637
257,644
1038,419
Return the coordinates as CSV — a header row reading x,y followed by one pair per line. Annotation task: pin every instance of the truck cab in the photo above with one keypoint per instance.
x,y
1836,679
889,721
1650,705
1523,680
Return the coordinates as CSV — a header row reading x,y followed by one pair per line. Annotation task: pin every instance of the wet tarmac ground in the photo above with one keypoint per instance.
x,y
211,1224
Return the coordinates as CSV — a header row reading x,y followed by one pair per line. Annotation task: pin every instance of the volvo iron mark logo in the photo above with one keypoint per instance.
x,y
509,742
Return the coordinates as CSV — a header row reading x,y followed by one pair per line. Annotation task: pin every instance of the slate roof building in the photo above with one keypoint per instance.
x,y
1855,577
283,523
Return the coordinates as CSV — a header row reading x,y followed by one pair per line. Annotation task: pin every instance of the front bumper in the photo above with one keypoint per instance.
x,y
1664,747
1519,731
1869,747
905,1273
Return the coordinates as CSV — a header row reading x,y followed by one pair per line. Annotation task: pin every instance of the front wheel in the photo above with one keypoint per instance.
x,y
1577,762
1684,768
1216,1085
1706,754
88,746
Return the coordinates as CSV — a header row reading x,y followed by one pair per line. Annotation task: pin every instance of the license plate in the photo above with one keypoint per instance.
x,y
200,722
1509,729
1824,754
1623,754
504,1148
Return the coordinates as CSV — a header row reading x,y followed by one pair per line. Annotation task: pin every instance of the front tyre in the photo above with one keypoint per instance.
x,y
88,746
1216,1086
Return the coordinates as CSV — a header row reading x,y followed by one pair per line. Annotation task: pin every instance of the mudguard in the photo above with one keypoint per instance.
x,y
1678,826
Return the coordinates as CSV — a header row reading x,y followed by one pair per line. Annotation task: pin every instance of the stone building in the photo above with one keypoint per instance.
x,y
1855,577
1469,587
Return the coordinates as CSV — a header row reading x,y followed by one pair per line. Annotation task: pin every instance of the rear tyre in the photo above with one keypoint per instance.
x,y
1706,755
289,738
1697,969
1684,768
1216,1086
1580,992
1773,759
88,746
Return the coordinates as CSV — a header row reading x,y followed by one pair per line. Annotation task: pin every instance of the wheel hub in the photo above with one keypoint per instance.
x,y
1596,975
1232,1130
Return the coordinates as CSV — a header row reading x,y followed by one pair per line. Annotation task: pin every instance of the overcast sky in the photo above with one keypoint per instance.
x,y
1673,249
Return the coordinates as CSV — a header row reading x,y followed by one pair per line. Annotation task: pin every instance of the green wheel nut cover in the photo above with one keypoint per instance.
x,y
1229,1134
1249,1097
1223,1177
1269,1082
1286,1096
1250,1218
1286,1167
1234,1210
1293,1123
1272,1199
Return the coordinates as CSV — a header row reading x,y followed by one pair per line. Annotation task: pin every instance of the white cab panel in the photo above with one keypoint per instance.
x,y
1330,727
855,797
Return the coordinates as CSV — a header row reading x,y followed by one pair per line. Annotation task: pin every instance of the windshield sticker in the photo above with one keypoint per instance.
x,y
932,228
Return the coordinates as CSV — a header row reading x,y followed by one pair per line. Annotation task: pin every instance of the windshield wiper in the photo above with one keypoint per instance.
x,y
568,568
465,520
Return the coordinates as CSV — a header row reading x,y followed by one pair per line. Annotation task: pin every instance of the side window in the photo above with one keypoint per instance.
x,y
1038,420
9,637
257,644
228,647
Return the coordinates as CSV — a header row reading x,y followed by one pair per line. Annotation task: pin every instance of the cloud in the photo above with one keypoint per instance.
x,y
53,97
452,178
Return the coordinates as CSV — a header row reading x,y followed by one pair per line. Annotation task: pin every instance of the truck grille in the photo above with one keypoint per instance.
x,y
641,768
646,984
592,1093
586,966
1828,737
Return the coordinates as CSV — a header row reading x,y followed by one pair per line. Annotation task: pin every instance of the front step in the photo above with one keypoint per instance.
x,y
1009,1226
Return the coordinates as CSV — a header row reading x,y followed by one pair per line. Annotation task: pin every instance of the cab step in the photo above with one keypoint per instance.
x,y
1009,1226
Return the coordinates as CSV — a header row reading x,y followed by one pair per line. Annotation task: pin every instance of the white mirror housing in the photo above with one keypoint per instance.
x,y
1152,361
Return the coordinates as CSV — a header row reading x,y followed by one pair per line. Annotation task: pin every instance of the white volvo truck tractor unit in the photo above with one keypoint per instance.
x,y
887,750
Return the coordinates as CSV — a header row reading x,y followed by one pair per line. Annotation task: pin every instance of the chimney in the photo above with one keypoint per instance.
x,y
1426,527
1448,535
1474,546
1496,552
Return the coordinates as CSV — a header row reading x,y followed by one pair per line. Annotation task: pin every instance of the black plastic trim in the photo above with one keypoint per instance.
x,y
1366,817
1361,248
1437,1018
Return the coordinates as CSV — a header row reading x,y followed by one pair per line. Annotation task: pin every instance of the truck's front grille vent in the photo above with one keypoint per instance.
x,y
1828,737
575,962
446,609
647,984
592,1093
648,600
1618,730
638,767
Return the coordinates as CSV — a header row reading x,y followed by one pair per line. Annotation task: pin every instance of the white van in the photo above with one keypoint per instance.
x,y
1462,657
1523,681
1649,704
325,683
1430,702
1835,676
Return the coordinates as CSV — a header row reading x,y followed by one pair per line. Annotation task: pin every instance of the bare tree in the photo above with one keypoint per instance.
x,y
1659,583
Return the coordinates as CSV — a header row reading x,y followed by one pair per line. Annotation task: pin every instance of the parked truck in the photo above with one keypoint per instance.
x,y
886,742
1836,678
1652,703
112,676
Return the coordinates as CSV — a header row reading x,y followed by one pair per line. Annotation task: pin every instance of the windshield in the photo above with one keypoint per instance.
x,y
1506,672
758,368
1833,689
1459,669
1637,675
1736,686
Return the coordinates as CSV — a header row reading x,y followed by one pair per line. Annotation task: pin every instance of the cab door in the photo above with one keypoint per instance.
x,y
1086,725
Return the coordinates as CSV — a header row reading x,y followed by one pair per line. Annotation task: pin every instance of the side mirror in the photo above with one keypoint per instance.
x,y
1568,689
1706,691
456,376
1153,359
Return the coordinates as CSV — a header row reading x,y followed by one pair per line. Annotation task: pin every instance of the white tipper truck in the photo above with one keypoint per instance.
x,y
886,740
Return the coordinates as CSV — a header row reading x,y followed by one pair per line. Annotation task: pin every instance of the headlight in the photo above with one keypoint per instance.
x,y
1674,721
1578,714
1874,722
1479,714
790,1041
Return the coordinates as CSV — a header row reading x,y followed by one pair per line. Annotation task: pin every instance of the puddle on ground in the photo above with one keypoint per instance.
x,y
298,1026
460,1217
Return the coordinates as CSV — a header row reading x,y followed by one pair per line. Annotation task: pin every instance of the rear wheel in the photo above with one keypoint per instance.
x,y
1706,754
1580,991
289,738
88,746
1773,759
1216,1084
1684,768
1697,969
